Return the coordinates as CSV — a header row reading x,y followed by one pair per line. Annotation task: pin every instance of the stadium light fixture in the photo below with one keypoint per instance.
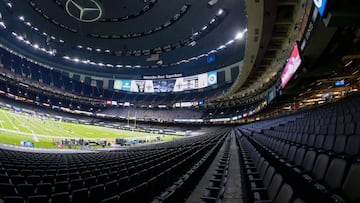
x,y
2,25
230,42
239,35
212,2
22,18
221,47
21,38
221,11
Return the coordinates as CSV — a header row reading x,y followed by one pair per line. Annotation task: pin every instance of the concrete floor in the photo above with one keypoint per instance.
x,y
233,186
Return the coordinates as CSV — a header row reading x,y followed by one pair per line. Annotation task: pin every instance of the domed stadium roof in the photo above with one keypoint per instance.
x,y
126,36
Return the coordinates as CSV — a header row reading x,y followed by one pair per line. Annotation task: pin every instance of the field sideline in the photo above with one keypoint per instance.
x,y
16,127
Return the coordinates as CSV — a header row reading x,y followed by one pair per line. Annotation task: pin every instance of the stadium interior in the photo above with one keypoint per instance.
x,y
105,101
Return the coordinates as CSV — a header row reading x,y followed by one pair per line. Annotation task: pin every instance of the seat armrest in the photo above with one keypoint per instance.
x,y
337,198
256,180
263,201
258,189
321,188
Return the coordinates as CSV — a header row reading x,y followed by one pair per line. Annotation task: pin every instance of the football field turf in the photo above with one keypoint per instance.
x,y
16,127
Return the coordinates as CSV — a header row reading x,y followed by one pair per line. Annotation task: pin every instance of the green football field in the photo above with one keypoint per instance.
x,y
16,127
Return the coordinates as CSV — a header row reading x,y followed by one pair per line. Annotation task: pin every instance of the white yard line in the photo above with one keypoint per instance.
x,y
7,117
34,136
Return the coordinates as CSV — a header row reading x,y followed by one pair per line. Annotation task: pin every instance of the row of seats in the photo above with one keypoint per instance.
x,y
216,185
264,182
112,175
323,164
182,188
323,173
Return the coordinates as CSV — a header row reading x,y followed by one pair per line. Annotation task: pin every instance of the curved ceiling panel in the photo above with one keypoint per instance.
x,y
118,36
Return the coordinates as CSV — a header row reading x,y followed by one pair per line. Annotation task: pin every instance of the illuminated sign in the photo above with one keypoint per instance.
x,y
320,5
168,85
291,66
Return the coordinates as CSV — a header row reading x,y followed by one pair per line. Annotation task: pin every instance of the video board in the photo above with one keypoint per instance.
x,y
291,66
168,85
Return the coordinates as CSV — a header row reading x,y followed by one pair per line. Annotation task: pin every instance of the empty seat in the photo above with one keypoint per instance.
x,y
44,189
299,157
349,129
340,142
340,129
74,176
123,183
329,142
38,172
102,179
48,178
4,178
113,199
319,169
62,197
17,179
97,193
274,186
90,181
26,172
26,190
311,140
271,191
319,141
80,195
7,189
62,186
292,153
61,177
285,194
33,179
353,145
13,199
76,184
38,199
334,175
350,189
12,171
111,188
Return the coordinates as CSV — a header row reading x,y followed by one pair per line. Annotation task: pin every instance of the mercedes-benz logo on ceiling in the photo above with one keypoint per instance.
x,y
85,10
